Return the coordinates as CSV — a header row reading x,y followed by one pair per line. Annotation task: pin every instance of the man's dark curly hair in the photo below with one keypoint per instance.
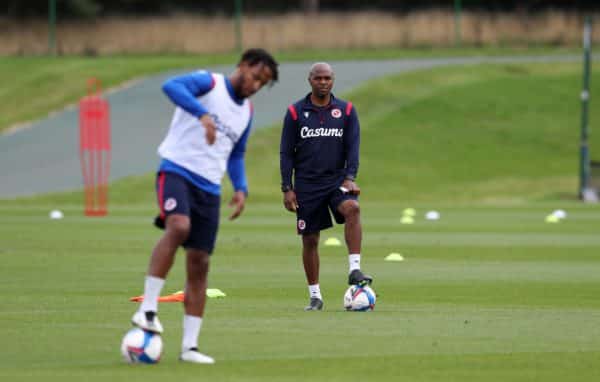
x,y
257,55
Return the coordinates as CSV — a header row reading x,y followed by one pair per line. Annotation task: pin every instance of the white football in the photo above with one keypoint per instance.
x,y
561,214
141,346
432,215
359,298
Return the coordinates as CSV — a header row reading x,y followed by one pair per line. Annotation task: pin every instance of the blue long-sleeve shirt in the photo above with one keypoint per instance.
x,y
319,145
184,91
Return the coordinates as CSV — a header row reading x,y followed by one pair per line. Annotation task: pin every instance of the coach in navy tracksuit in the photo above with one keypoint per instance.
x,y
319,145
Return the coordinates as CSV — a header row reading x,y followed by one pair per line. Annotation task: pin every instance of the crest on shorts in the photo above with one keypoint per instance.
x,y
336,113
170,204
301,224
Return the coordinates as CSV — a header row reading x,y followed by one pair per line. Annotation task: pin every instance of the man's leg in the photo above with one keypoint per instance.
x,y
197,265
176,231
310,259
350,210
199,246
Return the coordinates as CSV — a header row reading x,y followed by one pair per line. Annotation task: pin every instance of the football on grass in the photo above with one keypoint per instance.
x,y
359,298
140,346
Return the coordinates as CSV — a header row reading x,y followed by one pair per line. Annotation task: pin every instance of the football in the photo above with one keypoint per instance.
x,y
140,346
359,298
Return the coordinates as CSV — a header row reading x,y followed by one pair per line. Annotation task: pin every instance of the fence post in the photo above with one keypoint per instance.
x,y
585,193
238,25
457,17
52,27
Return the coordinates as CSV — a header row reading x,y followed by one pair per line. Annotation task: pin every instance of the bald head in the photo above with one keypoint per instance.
x,y
319,67
321,79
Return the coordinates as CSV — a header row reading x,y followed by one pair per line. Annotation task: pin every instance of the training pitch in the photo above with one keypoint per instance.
x,y
488,294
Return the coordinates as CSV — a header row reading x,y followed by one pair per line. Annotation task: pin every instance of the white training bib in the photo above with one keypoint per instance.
x,y
185,143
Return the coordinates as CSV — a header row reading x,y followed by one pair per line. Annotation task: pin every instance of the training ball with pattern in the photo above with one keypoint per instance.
x,y
141,346
359,298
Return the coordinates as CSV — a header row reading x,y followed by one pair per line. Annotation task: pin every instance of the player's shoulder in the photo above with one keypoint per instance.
x,y
299,104
208,72
205,73
294,108
214,75
207,77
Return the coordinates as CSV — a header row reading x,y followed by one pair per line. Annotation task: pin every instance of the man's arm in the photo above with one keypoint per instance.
x,y
236,169
286,147
183,90
286,158
352,144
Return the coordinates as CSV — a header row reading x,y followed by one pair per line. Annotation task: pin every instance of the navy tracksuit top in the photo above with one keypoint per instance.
x,y
319,145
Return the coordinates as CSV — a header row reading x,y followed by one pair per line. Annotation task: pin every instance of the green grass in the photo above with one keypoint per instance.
x,y
488,133
488,293
45,84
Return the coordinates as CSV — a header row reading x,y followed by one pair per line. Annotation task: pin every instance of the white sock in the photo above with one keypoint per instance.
x,y
354,261
191,331
152,287
315,291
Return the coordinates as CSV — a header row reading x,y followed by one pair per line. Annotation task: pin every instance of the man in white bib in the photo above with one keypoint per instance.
x,y
207,137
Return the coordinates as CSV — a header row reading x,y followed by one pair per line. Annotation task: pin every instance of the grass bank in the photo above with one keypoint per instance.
x,y
486,134
32,87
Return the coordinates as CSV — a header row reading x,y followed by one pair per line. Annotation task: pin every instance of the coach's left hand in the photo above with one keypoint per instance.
x,y
238,201
352,187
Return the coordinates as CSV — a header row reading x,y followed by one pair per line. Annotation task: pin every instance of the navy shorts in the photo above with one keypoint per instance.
x,y
178,196
315,209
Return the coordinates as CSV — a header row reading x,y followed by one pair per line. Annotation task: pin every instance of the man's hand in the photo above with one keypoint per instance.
x,y
350,187
289,201
210,127
238,201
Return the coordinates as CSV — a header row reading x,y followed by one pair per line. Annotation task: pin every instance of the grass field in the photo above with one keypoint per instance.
x,y
488,293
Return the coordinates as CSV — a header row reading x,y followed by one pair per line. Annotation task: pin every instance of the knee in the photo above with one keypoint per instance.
x,y
311,242
351,209
197,264
178,227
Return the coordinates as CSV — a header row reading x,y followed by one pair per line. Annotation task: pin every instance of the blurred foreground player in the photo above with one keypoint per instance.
x,y
207,136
